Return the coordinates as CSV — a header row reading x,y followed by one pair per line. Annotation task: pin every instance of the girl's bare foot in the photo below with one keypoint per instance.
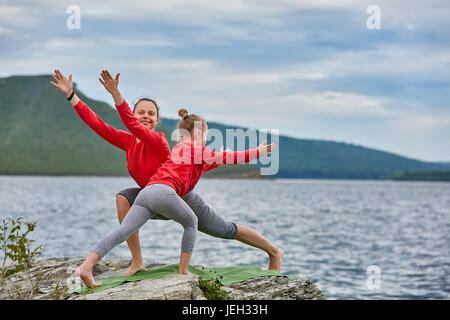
x,y
275,259
184,263
132,269
87,277
184,272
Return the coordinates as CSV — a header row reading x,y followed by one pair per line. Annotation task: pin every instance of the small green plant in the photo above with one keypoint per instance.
x,y
17,246
17,249
211,286
59,292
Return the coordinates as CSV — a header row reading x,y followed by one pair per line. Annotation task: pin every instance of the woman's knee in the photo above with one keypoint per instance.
x,y
122,201
123,206
193,200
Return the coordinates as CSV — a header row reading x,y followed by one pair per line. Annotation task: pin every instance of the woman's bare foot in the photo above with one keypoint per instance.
x,y
132,269
87,277
275,259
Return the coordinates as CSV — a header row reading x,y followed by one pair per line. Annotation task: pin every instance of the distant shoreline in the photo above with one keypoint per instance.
x,y
410,176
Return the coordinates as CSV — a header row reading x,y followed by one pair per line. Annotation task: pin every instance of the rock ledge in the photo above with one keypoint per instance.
x,y
171,287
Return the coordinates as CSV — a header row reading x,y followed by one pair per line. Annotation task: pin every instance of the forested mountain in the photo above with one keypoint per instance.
x,y
41,134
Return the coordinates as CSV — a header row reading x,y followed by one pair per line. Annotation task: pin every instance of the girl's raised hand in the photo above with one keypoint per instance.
x,y
63,84
110,84
265,149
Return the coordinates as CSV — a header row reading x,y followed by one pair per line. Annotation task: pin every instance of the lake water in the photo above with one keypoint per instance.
x,y
356,239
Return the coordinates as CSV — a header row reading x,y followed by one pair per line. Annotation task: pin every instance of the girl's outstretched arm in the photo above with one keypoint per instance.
x,y
118,138
147,135
213,159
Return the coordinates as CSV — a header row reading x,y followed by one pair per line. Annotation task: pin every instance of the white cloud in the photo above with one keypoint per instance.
x,y
420,123
106,42
157,41
171,67
18,17
256,78
69,44
410,26
385,60
8,10
4,30
330,103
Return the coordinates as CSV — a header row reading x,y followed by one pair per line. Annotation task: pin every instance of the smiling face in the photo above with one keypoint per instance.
x,y
205,135
198,136
147,113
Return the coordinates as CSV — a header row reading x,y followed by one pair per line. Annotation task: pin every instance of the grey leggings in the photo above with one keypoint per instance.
x,y
156,201
208,221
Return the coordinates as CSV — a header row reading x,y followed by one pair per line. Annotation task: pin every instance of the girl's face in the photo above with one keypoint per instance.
x,y
198,137
205,134
146,113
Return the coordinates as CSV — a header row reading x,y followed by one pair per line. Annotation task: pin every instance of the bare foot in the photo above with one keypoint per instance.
x,y
87,277
132,269
184,272
275,259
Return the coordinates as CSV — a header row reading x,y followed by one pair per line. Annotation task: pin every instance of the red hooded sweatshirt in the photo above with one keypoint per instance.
x,y
143,157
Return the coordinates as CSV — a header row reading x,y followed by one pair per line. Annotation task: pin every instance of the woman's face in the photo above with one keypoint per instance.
x,y
146,113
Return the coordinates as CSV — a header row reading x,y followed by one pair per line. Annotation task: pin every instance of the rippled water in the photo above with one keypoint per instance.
x,y
331,230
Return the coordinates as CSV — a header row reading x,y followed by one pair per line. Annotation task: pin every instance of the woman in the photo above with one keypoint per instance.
x,y
143,160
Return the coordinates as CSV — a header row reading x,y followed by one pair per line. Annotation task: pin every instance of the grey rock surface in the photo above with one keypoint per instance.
x,y
54,276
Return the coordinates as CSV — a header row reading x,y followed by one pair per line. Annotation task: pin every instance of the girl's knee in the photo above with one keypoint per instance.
x,y
125,232
193,221
190,222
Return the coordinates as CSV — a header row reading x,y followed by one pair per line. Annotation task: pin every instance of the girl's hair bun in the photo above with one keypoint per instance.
x,y
182,113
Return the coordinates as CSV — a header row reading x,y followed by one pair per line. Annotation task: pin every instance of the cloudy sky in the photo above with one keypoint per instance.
x,y
312,69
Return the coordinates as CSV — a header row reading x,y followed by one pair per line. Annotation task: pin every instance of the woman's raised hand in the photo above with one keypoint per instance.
x,y
110,84
63,84
265,149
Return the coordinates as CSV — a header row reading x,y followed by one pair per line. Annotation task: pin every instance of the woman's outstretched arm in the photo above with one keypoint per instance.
x,y
65,86
118,138
144,134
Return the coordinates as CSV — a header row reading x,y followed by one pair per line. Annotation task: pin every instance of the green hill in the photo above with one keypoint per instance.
x,y
40,133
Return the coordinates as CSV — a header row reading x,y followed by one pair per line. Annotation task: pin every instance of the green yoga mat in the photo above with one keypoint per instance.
x,y
229,275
